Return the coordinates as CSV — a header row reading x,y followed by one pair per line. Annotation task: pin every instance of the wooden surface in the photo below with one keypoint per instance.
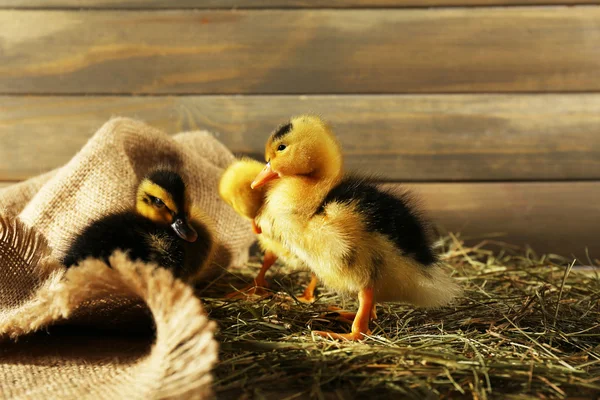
x,y
559,217
518,49
503,102
407,138
173,4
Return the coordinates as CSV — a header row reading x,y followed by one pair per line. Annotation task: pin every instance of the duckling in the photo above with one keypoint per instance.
x,y
235,190
159,229
357,238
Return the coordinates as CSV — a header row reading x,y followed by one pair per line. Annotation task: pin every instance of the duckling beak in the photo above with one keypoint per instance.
x,y
255,228
266,175
184,230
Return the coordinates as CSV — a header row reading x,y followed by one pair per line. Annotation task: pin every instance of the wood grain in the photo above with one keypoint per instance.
x,y
407,138
557,217
520,49
551,217
174,4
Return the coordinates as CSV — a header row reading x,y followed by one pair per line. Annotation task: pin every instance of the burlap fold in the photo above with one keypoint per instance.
x,y
131,331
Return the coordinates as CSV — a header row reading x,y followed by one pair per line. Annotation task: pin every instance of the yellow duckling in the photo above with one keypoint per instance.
x,y
355,237
235,190
159,229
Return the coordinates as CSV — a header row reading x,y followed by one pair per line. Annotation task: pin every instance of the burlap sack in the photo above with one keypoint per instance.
x,y
169,349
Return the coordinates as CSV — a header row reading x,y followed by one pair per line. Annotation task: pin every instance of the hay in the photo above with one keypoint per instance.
x,y
527,326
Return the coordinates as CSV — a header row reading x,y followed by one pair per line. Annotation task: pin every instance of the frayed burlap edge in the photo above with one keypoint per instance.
x,y
27,245
184,351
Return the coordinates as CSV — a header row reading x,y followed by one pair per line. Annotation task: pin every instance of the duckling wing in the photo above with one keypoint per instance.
x,y
121,231
393,216
363,236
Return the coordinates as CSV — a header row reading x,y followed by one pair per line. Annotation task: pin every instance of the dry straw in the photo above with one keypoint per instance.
x,y
527,326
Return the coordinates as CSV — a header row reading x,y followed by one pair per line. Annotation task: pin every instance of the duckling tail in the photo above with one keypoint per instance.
x,y
437,288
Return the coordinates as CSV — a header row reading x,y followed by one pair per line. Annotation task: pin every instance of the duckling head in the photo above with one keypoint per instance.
x,y
162,198
304,146
234,187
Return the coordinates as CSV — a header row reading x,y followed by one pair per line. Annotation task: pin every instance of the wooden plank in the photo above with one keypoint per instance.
x,y
219,4
519,49
408,138
558,217
555,217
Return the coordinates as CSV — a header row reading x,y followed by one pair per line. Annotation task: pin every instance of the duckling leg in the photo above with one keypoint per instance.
x,y
257,289
268,261
309,293
339,314
345,316
360,326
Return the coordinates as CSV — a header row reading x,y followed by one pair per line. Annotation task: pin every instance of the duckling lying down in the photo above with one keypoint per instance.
x,y
355,237
159,229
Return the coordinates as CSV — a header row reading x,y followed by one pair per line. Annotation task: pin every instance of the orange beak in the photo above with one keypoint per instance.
x,y
255,228
266,175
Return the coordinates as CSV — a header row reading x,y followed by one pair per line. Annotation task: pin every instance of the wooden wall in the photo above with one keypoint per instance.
x,y
490,109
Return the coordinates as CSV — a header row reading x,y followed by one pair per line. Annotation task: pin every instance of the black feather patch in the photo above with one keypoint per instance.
x,y
142,240
126,232
172,183
387,214
282,131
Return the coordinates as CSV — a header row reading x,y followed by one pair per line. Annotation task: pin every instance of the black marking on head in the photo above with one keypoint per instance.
x,y
172,183
390,215
282,131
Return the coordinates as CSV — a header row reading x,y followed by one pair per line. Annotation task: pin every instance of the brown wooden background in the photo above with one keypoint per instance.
x,y
490,109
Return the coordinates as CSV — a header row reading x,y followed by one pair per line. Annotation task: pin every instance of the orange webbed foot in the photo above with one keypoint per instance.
x,y
260,283
306,300
258,289
360,325
309,293
339,315
346,315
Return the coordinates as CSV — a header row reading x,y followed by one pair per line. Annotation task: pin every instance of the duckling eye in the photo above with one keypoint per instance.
x,y
281,147
158,202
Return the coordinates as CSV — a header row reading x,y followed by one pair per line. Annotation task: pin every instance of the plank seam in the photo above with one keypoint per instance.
x,y
299,8
294,94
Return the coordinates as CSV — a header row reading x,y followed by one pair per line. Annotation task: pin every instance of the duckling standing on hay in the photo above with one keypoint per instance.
x,y
357,238
235,190
160,229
